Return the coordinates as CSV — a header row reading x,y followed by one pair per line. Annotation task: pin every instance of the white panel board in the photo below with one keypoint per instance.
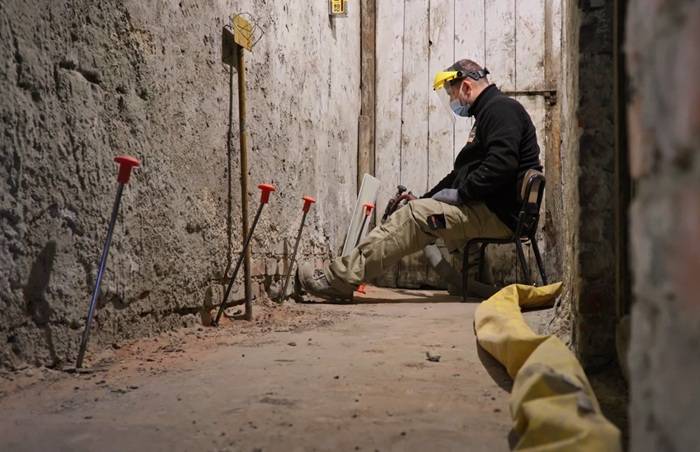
x,y
499,29
368,194
440,123
469,44
389,95
529,45
416,91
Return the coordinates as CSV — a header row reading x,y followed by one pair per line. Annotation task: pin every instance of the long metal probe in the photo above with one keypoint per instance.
x,y
126,163
368,207
307,206
264,199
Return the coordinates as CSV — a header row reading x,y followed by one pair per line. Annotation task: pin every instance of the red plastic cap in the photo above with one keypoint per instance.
x,y
126,163
368,208
266,190
308,200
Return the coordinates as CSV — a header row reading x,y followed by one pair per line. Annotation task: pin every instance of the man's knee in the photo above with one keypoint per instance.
x,y
428,214
423,208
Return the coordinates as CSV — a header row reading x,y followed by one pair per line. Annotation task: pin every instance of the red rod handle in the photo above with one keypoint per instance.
x,y
308,200
266,190
126,163
368,208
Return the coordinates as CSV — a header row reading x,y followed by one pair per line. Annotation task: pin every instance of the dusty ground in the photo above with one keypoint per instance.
x,y
303,377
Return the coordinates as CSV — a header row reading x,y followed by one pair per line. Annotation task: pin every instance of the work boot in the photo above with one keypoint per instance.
x,y
314,282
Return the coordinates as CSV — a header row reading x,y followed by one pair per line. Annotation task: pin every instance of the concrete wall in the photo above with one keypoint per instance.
x,y
594,306
567,102
586,94
664,133
83,81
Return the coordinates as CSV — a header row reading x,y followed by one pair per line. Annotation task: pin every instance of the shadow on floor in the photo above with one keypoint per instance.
x,y
494,368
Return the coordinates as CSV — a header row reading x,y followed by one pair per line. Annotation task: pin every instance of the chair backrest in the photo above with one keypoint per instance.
x,y
531,194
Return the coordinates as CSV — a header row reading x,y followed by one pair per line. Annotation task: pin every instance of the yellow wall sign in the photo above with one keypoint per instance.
x,y
338,7
242,32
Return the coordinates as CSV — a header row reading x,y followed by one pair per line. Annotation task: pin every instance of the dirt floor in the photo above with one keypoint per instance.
x,y
403,374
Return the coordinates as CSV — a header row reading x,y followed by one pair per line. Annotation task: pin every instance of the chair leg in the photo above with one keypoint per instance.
x,y
523,262
482,261
538,258
465,272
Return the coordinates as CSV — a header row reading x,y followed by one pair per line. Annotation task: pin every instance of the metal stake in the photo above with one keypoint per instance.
x,y
308,200
264,199
368,207
126,164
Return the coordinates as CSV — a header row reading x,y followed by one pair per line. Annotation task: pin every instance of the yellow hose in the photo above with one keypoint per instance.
x,y
552,404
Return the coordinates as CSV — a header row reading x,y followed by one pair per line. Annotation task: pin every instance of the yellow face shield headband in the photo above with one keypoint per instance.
x,y
441,81
445,76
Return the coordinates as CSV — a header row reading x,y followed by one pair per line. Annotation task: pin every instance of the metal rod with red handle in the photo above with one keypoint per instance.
x,y
368,207
308,201
126,164
266,189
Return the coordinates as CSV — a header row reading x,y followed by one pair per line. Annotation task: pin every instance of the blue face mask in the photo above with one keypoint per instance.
x,y
459,109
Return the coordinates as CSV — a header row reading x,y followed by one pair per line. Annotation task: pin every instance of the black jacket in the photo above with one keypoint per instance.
x,y
491,166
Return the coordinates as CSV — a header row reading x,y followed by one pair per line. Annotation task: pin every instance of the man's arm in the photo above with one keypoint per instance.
x,y
446,182
503,130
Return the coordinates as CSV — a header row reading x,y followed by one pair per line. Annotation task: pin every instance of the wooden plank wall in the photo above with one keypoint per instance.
x,y
417,140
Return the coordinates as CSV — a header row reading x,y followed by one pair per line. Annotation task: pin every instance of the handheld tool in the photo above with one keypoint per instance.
x,y
266,189
399,200
126,164
308,201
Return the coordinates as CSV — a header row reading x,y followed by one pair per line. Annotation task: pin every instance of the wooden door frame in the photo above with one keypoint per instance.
x,y
368,90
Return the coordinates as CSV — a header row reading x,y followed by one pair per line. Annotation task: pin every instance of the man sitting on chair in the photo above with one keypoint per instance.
x,y
478,198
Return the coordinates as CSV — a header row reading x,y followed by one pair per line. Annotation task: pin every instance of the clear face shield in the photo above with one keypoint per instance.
x,y
447,91
447,95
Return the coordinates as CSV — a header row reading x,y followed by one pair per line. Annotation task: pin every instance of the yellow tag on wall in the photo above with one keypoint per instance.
x,y
243,32
338,7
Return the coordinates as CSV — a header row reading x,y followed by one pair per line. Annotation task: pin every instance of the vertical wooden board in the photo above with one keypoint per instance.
x,y
388,99
469,43
553,27
499,30
440,124
536,107
529,45
416,91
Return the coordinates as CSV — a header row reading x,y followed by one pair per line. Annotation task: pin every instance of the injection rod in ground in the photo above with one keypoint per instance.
x,y
126,163
264,197
307,206
368,206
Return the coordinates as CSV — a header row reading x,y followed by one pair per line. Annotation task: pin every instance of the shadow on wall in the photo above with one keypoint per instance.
x,y
35,294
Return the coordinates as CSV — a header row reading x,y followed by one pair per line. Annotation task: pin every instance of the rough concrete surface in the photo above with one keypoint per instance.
x,y
83,81
397,375
664,120
590,171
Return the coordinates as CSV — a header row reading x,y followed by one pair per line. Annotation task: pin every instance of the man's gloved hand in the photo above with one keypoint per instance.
x,y
448,195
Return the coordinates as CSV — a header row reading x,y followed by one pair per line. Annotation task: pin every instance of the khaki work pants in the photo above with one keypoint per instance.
x,y
410,229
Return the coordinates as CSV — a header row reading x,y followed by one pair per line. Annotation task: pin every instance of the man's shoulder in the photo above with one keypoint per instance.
x,y
501,110
503,104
